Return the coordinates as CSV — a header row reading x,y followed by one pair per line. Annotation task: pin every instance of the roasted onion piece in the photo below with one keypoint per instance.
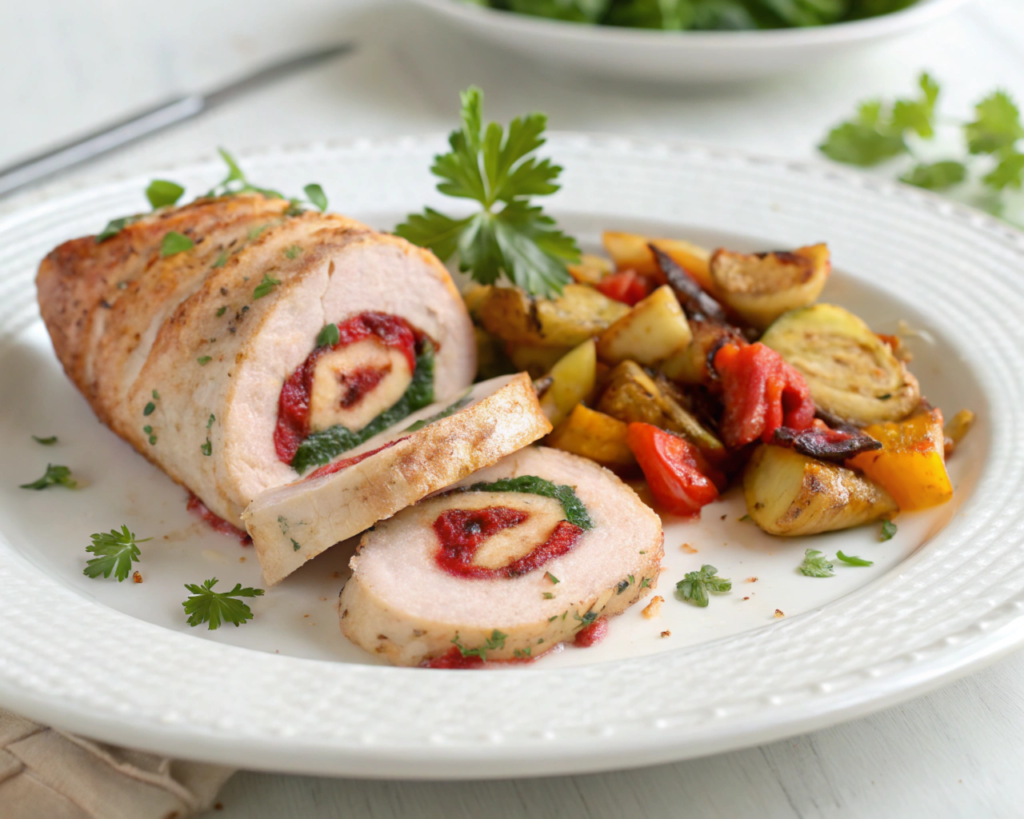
x,y
826,444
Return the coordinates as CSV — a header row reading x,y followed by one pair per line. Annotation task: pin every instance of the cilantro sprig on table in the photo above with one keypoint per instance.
x,y
500,171
115,552
884,131
205,605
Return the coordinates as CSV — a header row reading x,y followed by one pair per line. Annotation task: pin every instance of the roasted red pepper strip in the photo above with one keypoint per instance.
x,y
674,468
627,286
761,393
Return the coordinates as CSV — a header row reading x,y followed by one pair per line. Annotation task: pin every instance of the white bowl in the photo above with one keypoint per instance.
x,y
680,58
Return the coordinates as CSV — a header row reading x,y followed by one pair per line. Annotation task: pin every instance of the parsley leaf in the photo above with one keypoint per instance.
x,y
235,182
1007,174
853,561
495,642
328,336
888,530
265,287
204,360
115,226
316,196
115,552
54,476
207,606
694,586
45,441
936,176
161,193
996,125
174,243
816,564
508,236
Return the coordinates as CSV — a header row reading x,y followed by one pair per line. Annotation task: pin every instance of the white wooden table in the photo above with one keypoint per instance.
x,y
70,65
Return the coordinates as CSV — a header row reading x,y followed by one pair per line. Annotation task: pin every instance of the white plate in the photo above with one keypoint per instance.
x,y
286,692
680,58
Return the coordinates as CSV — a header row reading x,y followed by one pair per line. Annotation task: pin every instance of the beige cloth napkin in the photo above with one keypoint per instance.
x,y
47,774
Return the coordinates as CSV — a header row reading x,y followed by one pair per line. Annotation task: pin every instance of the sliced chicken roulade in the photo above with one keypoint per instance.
x,y
514,560
429,450
236,343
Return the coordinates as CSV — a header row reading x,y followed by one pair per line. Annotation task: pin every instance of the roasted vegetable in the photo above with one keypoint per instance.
x,y
911,463
626,286
590,270
851,372
674,468
761,393
631,251
760,287
690,364
579,313
958,426
632,396
491,360
474,296
697,303
649,333
835,445
790,494
534,360
593,435
572,381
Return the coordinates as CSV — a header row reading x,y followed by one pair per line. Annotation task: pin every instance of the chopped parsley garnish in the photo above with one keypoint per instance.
x,y
694,586
207,448
320,447
204,360
554,580
45,441
210,420
507,236
54,476
622,586
222,260
208,606
115,226
162,193
575,511
293,252
295,545
851,560
115,552
221,310
645,583
816,564
522,653
328,336
149,409
174,243
549,596
316,196
451,409
156,395
235,182
495,642
585,620
888,530
265,287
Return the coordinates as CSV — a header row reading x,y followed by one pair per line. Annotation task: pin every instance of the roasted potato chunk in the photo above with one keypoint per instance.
x,y
760,287
649,333
579,313
631,251
593,435
790,494
591,269
572,381
690,364
534,360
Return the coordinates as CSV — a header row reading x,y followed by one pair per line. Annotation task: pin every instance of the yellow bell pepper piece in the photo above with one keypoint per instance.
x,y
593,435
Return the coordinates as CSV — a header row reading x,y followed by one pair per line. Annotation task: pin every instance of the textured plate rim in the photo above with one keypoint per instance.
x,y
926,667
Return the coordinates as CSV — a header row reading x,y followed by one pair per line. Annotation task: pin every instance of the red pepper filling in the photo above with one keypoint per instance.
x,y
293,405
591,635
337,466
455,659
461,531
197,507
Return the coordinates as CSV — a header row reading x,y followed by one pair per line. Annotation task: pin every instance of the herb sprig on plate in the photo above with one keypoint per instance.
x,y
205,605
115,552
508,236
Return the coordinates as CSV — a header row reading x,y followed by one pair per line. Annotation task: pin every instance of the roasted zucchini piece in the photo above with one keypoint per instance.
x,y
911,464
632,396
631,251
593,435
790,494
852,373
649,333
579,313
760,287
534,360
572,381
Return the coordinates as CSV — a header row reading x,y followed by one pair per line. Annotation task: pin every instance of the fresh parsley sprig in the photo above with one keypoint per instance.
x,y
495,642
236,182
55,475
208,606
115,552
816,564
500,171
694,587
882,131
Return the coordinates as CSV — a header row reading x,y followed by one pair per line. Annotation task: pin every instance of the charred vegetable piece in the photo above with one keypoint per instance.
x,y
851,372
674,468
572,381
631,251
791,494
690,365
760,287
649,333
695,300
579,313
761,393
593,435
834,445
633,396
626,286
911,463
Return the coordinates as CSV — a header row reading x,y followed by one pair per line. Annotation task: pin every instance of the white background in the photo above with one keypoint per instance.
x,y
69,65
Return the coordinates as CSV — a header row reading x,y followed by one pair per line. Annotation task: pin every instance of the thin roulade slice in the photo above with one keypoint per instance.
x,y
516,559
431,449
236,342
